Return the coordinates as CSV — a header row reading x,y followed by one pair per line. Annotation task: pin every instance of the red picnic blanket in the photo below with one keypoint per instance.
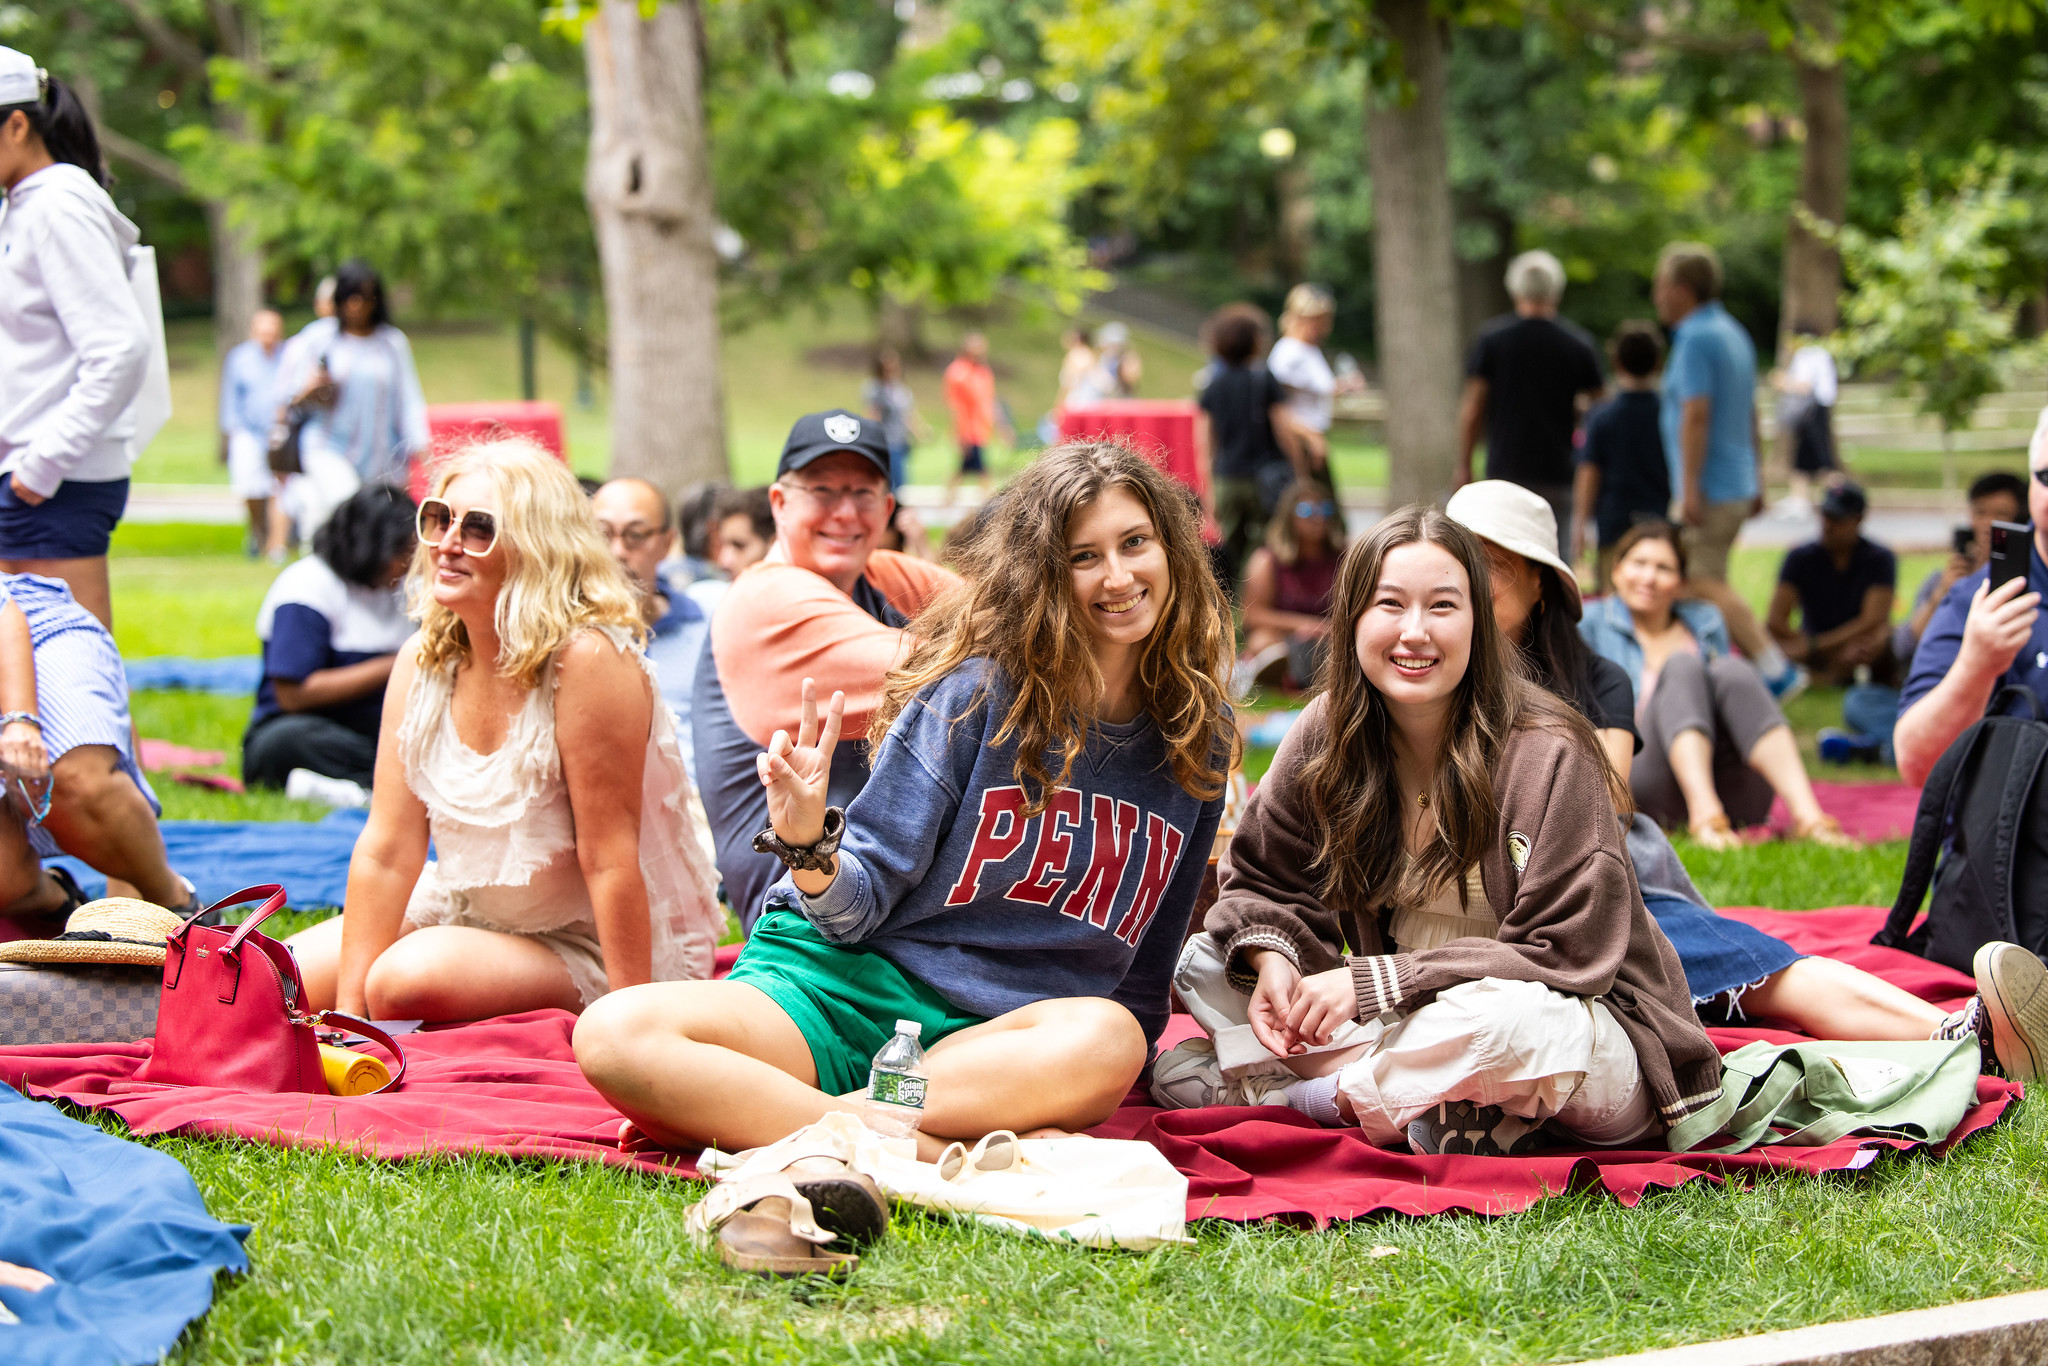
x,y
511,1085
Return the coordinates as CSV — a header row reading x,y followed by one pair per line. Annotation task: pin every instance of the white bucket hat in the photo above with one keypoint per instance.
x,y
21,80
1514,519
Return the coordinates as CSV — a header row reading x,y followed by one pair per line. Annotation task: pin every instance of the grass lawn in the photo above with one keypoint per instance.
x,y
500,1261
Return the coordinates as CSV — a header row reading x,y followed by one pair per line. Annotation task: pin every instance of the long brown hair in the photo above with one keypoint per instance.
x,y
1015,607
1349,779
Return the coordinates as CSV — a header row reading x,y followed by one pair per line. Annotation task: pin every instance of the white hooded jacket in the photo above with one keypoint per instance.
x,y
74,349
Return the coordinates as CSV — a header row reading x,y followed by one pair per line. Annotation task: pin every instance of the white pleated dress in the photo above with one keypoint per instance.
x,y
505,838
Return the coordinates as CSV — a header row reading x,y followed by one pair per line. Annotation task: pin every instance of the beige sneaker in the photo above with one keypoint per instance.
x,y
2013,984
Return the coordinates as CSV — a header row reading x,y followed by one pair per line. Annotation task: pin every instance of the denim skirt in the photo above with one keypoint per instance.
x,y
1719,955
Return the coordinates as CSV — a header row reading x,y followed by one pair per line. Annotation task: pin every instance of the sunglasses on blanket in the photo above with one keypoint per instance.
x,y
479,527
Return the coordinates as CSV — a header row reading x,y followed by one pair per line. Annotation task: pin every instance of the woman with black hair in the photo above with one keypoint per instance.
x,y
331,625
354,375
1731,969
74,344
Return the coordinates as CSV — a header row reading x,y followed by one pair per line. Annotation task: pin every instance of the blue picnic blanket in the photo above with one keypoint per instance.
x,y
119,1227
237,675
309,858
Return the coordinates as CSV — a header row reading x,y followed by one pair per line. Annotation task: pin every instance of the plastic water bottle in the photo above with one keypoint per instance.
x,y
896,1082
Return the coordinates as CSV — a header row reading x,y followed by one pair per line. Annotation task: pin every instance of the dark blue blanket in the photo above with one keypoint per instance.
x,y
119,1227
310,859
237,675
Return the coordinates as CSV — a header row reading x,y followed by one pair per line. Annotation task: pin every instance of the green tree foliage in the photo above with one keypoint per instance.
x,y
858,156
1925,310
441,140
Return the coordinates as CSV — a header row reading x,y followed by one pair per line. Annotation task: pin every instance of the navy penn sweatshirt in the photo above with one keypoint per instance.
x,y
943,874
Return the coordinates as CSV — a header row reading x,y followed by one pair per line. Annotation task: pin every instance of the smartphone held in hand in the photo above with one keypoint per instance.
x,y
2010,542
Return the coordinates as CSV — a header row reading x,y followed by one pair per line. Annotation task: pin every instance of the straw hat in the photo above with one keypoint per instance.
x,y
115,929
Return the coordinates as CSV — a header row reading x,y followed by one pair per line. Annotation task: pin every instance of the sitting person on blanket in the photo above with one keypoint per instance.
x,y
1716,747
1731,969
66,740
524,736
331,625
1451,826
1017,873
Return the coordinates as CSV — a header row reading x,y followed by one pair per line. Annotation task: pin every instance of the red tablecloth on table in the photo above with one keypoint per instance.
x,y
452,425
1164,429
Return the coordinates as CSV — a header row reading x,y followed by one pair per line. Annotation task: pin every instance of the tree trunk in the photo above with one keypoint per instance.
x,y
237,259
649,188
1413,270
1813,269
237,279
899,326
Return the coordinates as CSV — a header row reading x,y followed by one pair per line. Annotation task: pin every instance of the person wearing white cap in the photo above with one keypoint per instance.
x,y
1730,968
74,344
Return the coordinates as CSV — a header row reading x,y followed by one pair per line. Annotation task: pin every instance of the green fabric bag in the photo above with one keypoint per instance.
x,y
1811,1094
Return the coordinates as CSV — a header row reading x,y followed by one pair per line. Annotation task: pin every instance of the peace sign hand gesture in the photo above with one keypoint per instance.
x,y
797,774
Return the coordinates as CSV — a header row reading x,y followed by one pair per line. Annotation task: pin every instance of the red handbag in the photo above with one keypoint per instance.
x,y
230,1014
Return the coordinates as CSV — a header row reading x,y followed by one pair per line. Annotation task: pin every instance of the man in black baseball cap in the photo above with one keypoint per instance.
x,y
824,604
817,435
1841,586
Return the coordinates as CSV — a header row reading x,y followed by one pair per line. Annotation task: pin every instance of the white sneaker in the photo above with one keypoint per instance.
x,y
1186,1077
304,785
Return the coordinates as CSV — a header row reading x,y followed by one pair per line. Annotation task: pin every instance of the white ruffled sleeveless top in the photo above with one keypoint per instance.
x,y
505,838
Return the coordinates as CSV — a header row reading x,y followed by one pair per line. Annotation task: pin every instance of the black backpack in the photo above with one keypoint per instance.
x,y
1987,802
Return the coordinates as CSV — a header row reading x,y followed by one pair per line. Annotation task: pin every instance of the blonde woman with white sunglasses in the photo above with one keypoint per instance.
x,y
523,733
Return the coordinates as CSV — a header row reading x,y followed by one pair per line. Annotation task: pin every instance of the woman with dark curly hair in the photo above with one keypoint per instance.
x,y
331,626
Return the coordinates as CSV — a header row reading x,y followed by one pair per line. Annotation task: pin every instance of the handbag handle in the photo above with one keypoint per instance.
x,y
272,894
349,1024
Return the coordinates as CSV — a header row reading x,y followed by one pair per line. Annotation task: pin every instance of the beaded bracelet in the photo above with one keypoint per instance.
x,y
10,717
814,858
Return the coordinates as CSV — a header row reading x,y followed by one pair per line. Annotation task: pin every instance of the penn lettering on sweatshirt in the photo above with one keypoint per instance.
x,y
943,873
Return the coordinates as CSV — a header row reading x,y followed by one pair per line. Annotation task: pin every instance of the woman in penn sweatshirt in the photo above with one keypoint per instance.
x,y
74,348
1449,824
1017,875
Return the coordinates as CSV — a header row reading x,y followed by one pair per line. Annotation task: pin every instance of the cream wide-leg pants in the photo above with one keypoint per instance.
x,y
1536,1053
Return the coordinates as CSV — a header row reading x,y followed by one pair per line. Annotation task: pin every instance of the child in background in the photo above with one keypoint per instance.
x,y
971,395
1623,477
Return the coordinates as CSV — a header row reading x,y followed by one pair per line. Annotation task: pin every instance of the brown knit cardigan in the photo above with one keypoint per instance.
x,y
1557,877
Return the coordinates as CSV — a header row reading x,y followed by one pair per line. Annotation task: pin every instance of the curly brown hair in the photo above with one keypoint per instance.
x,y
1015,607
1361,858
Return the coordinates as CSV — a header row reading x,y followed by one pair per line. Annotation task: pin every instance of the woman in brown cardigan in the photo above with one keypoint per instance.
x,y
1452,827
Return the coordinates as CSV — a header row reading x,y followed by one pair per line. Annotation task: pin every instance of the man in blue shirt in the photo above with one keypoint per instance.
x,y
247,408
1709,424
1979,641
634,519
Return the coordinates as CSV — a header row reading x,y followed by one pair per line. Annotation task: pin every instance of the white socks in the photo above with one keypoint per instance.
x,y
1316,1097
1772,662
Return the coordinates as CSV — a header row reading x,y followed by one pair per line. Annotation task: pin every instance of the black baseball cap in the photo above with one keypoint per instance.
x,y
822,434
1844,501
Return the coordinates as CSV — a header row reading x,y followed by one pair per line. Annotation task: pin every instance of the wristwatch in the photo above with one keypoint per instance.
x,y
814,858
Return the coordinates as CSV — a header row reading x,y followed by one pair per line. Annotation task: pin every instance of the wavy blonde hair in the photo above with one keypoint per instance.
x,y
560,579
1015,607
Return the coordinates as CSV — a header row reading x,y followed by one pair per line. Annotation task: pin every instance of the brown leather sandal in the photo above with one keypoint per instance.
x,y
1826,831
765,1226
1717,833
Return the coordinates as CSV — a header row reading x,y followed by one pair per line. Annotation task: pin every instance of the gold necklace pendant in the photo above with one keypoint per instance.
x,y
1422,799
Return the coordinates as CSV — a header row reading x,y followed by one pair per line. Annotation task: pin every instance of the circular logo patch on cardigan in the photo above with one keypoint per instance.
x,y
1518,849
